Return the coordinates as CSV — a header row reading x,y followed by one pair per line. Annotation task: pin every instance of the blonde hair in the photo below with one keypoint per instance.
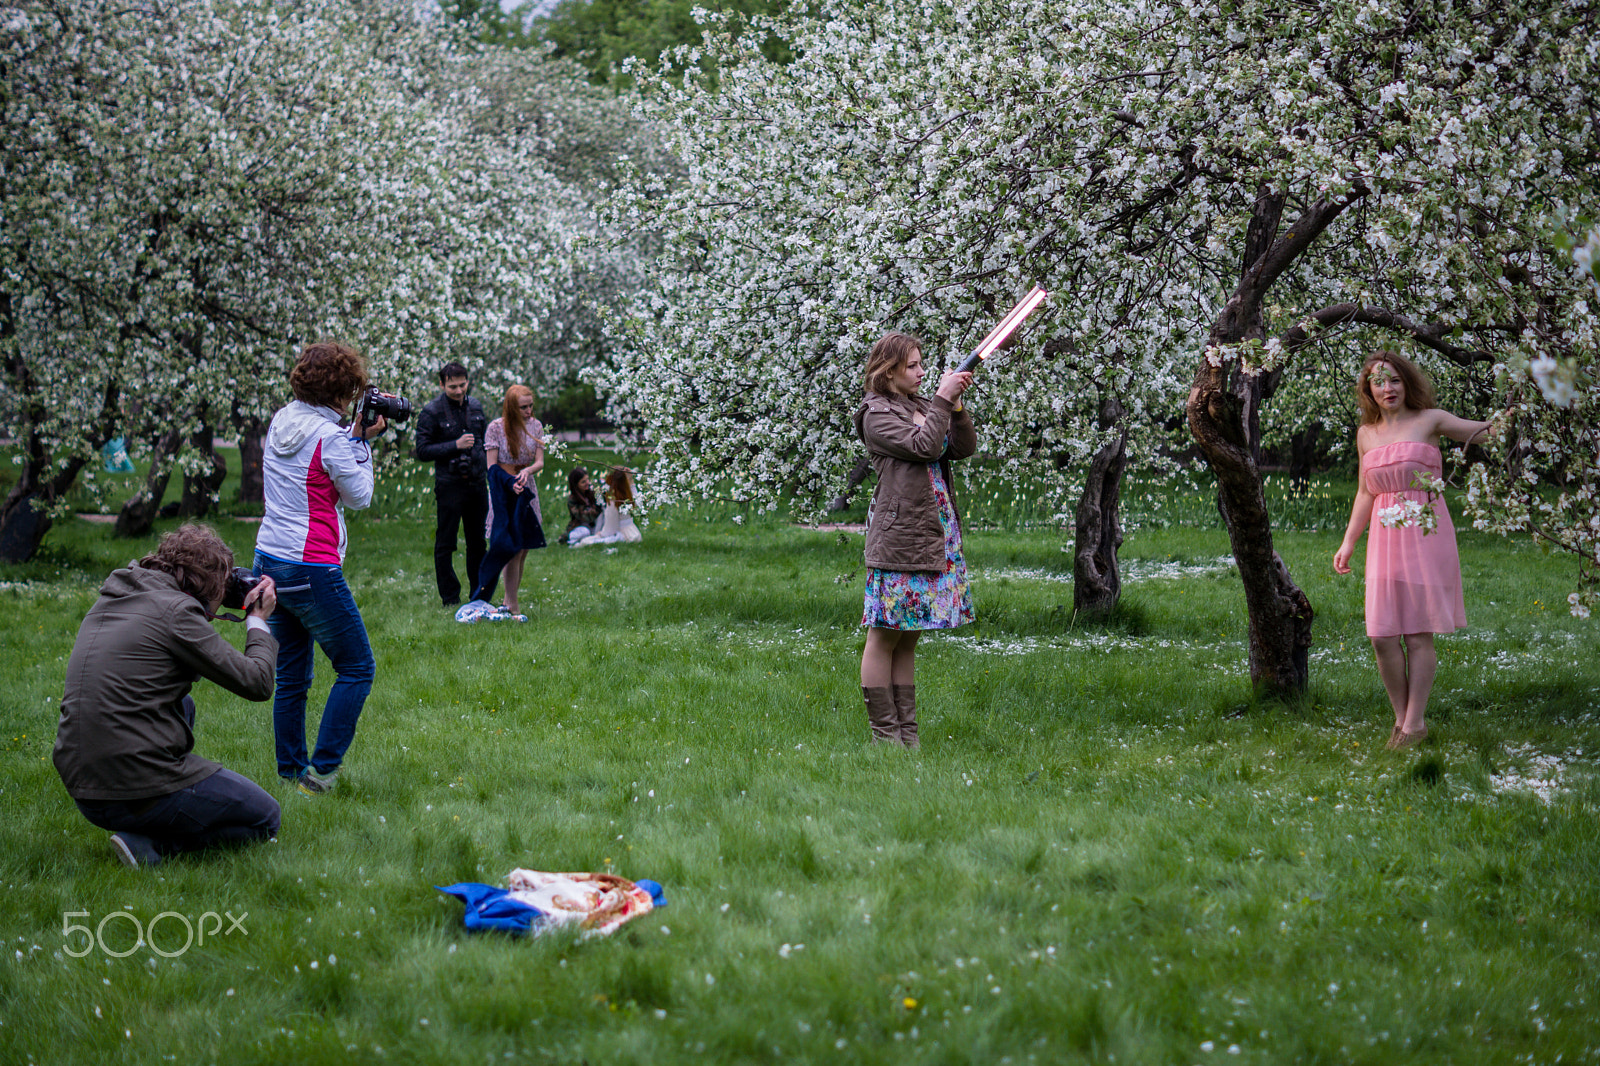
x,y
888,357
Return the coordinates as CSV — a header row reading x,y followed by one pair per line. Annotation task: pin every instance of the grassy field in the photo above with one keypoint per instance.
x,y
1105,851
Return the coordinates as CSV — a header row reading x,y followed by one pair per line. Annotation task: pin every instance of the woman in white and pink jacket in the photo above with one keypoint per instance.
x,y
315,466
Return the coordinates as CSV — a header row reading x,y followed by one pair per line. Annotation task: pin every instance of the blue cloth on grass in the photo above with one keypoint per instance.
x,y
493,908
489,907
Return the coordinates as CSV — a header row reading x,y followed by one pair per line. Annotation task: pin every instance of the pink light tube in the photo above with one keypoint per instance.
x,y
1008,325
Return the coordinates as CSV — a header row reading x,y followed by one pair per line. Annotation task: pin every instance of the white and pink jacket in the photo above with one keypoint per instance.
x,y
313,470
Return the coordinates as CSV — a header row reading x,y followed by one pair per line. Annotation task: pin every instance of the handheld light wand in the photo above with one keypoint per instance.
x,y
1008,325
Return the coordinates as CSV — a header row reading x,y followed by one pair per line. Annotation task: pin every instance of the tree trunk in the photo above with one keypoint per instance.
x,y
858,474
22,527
1280,614
200,490
1096,576
24,518
138,514
1223,410
1302,453
252,453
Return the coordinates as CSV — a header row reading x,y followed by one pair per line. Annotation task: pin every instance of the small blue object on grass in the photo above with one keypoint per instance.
x,y
481,611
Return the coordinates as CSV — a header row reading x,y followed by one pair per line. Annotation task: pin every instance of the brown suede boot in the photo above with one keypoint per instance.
x,y
905,715
881,715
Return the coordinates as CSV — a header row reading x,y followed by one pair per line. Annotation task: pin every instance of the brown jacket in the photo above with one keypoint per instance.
x,y
141,647
903,531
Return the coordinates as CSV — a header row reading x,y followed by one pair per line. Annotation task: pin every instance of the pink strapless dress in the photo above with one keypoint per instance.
x,y
1413,579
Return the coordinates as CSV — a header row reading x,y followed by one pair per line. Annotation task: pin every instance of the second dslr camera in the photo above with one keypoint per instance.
x,y
375,405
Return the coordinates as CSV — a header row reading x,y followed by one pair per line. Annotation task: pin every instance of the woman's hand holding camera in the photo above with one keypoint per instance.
x,y
368,432
263,599
952,385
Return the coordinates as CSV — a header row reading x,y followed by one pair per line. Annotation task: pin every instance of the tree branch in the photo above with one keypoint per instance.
x,y
1430,335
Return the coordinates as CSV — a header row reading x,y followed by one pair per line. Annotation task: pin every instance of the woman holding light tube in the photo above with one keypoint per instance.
x,y
916,575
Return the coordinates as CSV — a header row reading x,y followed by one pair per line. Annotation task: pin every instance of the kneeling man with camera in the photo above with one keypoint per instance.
x,y
125,743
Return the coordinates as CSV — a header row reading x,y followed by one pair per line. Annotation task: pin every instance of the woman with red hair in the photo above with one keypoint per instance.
x,y
1413,574
515,447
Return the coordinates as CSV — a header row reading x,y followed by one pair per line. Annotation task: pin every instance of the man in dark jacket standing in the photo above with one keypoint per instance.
x,y
450,433
125,742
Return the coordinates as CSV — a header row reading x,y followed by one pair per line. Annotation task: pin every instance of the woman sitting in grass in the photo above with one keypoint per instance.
x,y
583,506
616,523
916,576
1413,572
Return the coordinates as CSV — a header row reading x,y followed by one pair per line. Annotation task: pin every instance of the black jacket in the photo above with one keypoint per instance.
x,y
439,425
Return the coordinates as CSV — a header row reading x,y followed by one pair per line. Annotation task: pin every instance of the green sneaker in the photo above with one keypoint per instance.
x,y
311,783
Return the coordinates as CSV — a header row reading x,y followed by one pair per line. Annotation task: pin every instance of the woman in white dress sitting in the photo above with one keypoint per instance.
x,y
616,522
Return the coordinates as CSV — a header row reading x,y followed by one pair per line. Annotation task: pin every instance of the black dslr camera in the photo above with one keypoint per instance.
x,y
375,404
240,582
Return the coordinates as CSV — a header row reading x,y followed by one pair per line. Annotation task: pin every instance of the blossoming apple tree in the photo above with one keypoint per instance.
x,y
1225,189
192,188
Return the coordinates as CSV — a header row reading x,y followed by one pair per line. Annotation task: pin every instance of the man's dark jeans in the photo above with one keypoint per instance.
x,y
225,808
460,503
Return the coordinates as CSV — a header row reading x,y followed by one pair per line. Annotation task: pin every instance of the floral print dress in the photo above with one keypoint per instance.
x,y
525,452
928,599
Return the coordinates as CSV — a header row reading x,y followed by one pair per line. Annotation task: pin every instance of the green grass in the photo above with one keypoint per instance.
x,y
1105,851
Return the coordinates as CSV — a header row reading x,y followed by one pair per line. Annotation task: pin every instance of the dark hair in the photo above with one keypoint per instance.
x,y
1419,390
576,475
328,374
197,558
451,370
888,357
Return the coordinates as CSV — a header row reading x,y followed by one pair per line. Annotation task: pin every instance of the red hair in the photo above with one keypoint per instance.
x,y
328,374
511,413
1419,390
619,483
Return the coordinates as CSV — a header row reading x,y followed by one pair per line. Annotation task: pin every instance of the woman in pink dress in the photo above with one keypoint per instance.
x,y
1413,574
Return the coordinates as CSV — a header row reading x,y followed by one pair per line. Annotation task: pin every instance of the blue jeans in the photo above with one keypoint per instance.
x,y
314,604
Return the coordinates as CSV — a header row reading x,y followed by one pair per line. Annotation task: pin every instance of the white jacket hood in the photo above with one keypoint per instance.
x,y
297,423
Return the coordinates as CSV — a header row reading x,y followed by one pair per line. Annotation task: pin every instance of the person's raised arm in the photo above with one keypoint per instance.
x,y
1461,429
250,673
887,432
349,466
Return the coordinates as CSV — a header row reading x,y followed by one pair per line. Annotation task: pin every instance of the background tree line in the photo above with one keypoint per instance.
x,y
1231,206
193,189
